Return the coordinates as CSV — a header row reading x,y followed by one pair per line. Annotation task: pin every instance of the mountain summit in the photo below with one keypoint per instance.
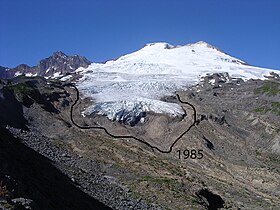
x,y
163,58
56,65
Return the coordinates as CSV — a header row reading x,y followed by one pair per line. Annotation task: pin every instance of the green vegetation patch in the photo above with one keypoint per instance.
x,y
274,158
258,153
262,110
21,88
8,206
274,107
171,184
270,88
3,190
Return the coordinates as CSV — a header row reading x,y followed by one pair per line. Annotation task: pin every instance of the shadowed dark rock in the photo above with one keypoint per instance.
x,y
39,180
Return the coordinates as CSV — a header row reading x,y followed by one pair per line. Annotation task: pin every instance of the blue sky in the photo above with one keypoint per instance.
x,y
105,29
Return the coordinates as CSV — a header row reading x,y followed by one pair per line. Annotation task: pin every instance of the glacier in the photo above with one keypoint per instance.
x,y
125,89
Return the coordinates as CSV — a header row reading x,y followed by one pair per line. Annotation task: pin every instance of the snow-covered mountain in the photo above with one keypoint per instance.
x,y
135,83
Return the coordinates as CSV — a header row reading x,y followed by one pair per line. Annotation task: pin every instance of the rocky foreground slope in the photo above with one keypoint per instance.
x,y
49,163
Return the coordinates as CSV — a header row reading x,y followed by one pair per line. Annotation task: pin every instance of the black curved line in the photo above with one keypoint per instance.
x,y
129,137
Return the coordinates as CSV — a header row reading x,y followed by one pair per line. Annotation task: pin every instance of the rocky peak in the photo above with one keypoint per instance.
x,y
22,67
61,63
59,53
3,68
6,72
57,64
59,56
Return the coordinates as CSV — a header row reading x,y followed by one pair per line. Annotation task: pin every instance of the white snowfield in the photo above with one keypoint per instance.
x,y
144,77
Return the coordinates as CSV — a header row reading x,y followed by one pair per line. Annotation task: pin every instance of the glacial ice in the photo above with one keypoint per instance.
x,y
127,88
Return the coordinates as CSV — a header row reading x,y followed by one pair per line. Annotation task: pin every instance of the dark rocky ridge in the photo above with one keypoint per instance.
x,y
57,63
